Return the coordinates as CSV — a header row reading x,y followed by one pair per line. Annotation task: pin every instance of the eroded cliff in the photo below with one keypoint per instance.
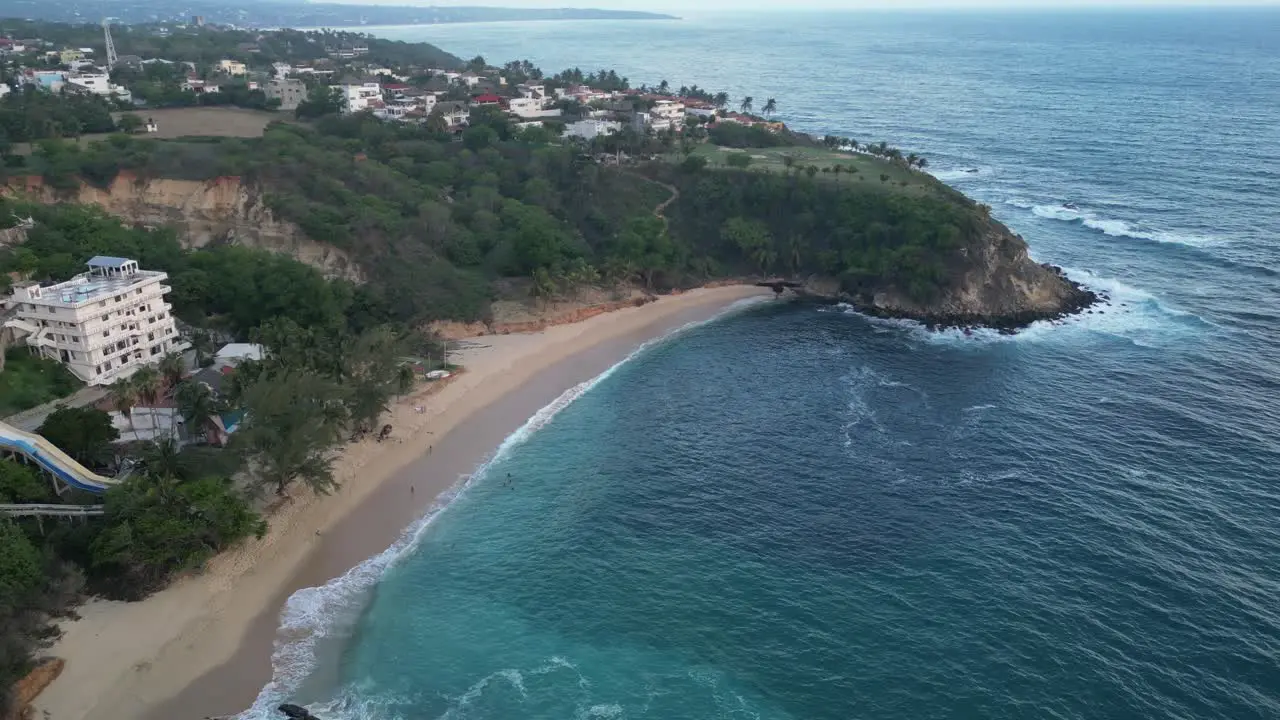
x,y
221,210
992,282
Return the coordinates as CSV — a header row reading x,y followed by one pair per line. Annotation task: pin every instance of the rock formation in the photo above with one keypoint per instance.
x,y
993,283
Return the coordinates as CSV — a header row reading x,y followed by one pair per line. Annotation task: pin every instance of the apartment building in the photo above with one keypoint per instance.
x,y
103,324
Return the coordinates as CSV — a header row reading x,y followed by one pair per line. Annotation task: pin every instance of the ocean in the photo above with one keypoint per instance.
x,y
800,513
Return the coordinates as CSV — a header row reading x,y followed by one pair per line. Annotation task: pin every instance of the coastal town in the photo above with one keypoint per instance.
x,y
570,105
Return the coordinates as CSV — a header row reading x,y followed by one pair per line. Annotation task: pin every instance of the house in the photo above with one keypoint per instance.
x,y
591,129
531,108
96,82
348,52
198,86
289,91
4,90
103,324
455,114
470,79
666,115
357,96
69,55
281,69
232,67
233,354
151,126
486,99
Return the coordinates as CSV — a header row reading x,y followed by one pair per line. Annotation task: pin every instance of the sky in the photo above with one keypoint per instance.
x,y
691,6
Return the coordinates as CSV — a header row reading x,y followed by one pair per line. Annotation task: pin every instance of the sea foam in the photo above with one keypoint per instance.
x,y
1113,227
315,614
1128,312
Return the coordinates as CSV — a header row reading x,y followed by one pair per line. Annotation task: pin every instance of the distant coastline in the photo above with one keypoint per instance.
x,y
242,14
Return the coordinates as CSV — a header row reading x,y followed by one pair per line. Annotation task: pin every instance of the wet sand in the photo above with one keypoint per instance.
x,y
202,648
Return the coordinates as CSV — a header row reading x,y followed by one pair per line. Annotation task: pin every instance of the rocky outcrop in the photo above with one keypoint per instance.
x,y
994,283
222,210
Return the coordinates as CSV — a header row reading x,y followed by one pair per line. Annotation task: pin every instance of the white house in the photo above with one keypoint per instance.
x,y
232,67
96,83
529,108
363,96
455,114
103,324
592,129
282,70
666,115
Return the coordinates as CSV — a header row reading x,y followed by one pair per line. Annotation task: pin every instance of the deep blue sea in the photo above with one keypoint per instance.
x,y
793,513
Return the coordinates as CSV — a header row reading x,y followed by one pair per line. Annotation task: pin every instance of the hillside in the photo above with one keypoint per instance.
x,y
431,224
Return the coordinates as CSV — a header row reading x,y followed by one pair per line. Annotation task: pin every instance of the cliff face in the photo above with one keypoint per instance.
x,y
222,210
994,282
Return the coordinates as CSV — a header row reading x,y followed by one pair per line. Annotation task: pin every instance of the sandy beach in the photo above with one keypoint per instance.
x,y
202,647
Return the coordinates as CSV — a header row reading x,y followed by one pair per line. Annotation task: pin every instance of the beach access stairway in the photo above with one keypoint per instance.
x,y
64,469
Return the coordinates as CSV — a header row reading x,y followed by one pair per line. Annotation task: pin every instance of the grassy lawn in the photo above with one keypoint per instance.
x,y
28,381
869,169
190,122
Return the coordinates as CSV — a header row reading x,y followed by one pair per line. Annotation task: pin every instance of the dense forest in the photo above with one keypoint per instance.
x,y
434,221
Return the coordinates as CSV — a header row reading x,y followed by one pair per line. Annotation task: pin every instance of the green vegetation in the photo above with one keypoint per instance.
x,y
83,433
35,589
31,114
28,381
228,287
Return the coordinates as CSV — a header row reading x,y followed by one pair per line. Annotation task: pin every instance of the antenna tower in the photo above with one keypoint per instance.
x,y
111,46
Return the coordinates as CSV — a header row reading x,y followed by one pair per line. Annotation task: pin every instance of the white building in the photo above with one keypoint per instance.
x,y
529,108
361,97
666,115
592,129
103,324
96,83
282,70
232,67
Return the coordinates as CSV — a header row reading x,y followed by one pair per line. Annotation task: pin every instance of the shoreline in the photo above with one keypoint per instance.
x,y
202,647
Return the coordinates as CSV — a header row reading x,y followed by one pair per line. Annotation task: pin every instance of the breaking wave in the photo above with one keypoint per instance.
x,y
1113,227
1127,312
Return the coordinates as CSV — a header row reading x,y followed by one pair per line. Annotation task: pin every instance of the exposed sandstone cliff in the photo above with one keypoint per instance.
x,y
994,282
222,210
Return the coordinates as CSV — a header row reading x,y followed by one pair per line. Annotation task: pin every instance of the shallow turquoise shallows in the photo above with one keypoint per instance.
x,y
796,513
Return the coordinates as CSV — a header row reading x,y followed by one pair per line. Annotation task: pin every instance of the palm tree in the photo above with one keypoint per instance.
x,y
912,159
405,378
164,458
770,107
147,383
123,397
172,367
664,87
748,103
202,344
721,100
196,403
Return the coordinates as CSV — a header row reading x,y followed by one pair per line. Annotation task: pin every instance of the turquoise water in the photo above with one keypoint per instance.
x,y
798,512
